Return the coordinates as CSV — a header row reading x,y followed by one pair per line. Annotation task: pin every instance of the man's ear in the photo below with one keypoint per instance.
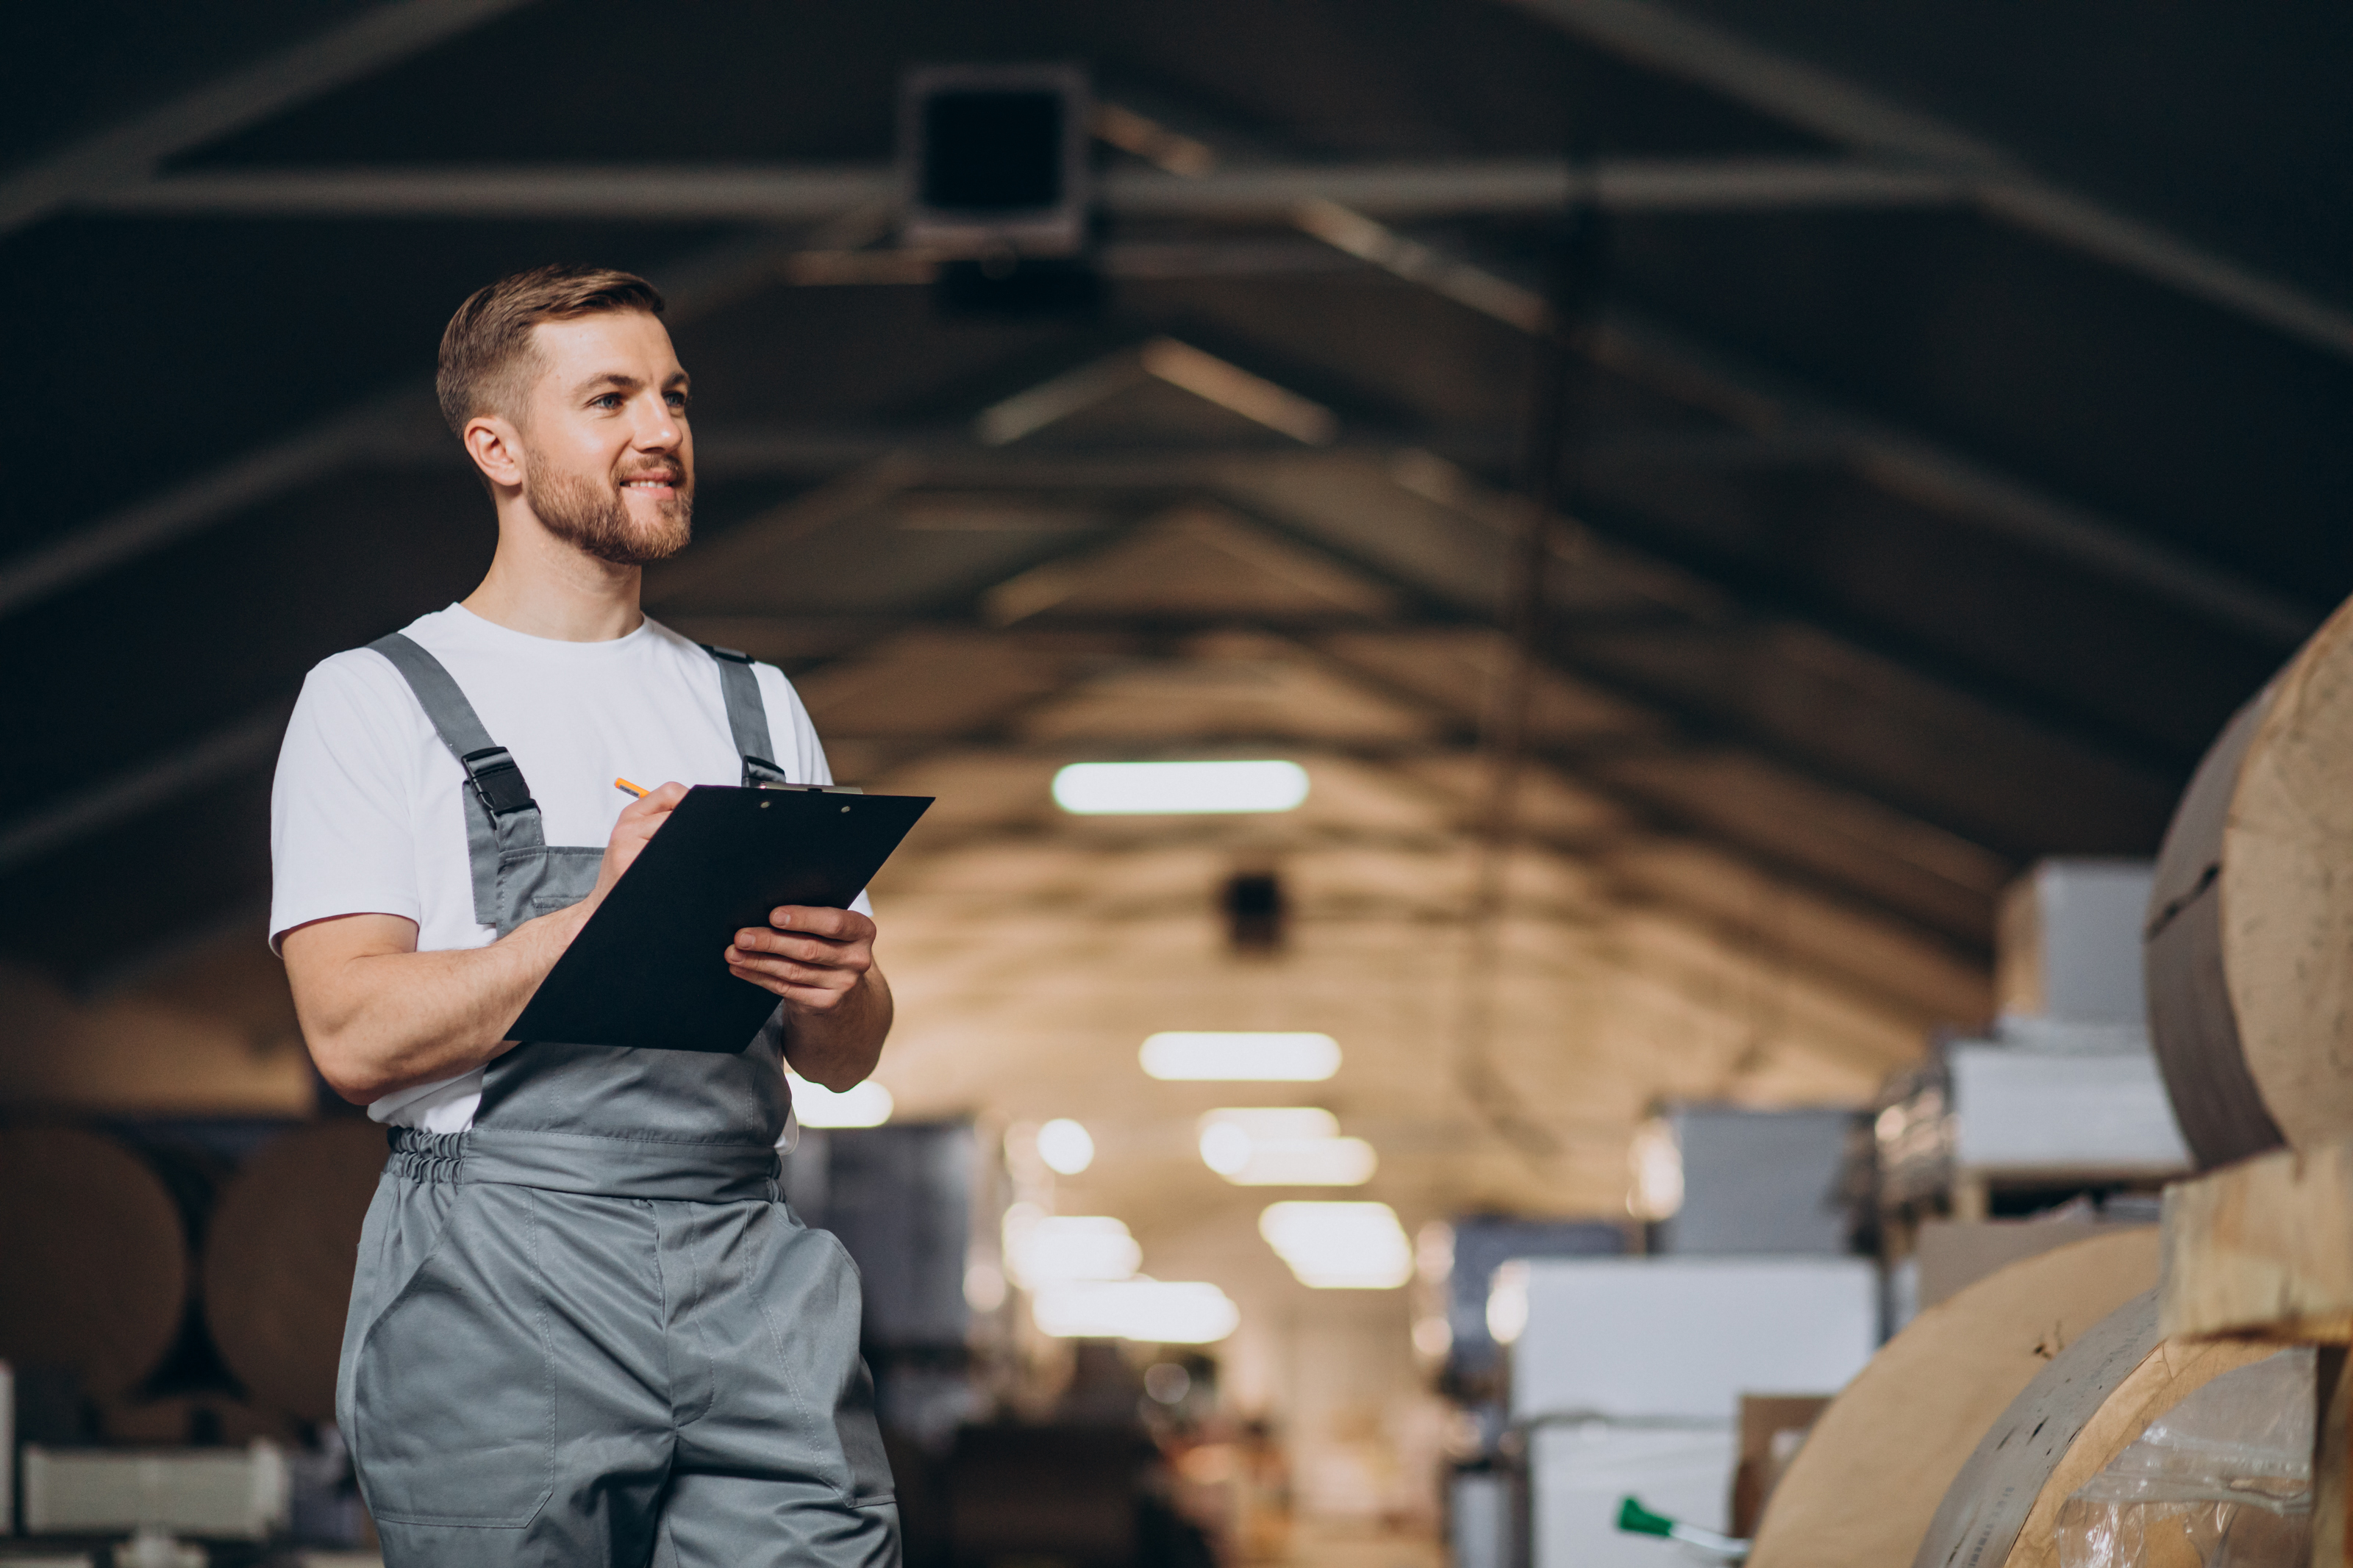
x,y
496,447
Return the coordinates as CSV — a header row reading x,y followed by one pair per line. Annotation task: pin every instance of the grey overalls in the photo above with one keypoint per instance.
x,y
589,1331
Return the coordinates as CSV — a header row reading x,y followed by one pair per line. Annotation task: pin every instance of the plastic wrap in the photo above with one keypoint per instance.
x,y
2222,1482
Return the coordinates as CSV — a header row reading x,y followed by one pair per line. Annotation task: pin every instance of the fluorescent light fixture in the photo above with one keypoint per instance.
x,y
1339,1246
1139,789
1066,1147
1284,1147
1043,1250
1655,1163
1149,1311
1241,1058
1507,1301
867,1105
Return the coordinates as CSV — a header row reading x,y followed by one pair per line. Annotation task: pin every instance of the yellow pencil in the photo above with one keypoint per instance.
x,y
632,789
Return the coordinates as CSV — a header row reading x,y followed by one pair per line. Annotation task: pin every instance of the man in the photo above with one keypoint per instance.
x,y
585,1327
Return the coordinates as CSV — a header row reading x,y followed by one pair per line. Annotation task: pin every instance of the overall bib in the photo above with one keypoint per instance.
x,y
588,1330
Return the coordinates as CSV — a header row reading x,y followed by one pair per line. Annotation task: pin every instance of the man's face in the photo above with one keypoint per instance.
x,y
608,455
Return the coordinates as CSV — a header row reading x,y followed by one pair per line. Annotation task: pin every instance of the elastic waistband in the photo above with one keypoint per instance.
x,y
583,1163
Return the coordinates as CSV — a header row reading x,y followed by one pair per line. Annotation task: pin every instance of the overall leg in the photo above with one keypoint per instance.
x,y
783,1464
510,1400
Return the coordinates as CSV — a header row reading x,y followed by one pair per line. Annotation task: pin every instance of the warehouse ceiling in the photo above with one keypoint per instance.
x,y
1955,440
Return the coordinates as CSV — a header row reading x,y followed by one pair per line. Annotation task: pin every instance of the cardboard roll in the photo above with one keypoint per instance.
x,y
1960,1441
278,1263
2250,919
2095,1398
94,1255
1862,1491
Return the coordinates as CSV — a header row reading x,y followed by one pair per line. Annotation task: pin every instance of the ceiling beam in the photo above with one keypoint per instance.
x,y
1429,605
1360,542
1878,127
405,419
1928,474
1909,465
249,743
1933,981
128,154
955,452
1399,191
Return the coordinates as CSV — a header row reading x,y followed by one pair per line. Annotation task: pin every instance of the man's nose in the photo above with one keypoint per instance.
x,y
656,425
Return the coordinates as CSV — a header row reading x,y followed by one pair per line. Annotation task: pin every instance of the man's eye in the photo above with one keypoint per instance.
x,y
678,400
608,400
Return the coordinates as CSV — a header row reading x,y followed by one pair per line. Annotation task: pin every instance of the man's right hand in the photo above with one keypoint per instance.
x,y
381,1017
639,821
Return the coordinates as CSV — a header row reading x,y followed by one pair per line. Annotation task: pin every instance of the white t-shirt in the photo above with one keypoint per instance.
x,y
367,815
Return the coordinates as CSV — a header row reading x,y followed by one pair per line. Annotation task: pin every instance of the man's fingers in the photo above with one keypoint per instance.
x,y
811,956
796,981
806,945
656,801
841,925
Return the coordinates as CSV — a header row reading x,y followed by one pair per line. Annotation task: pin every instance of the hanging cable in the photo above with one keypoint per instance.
x,y
1545,464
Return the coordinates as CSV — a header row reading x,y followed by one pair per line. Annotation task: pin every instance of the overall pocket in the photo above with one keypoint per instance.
x,y
454,1392
810,1291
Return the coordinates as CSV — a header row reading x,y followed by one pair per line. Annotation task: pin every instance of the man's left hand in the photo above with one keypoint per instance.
x,y
813,958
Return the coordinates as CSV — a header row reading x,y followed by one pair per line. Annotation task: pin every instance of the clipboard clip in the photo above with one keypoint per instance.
x,y
815,789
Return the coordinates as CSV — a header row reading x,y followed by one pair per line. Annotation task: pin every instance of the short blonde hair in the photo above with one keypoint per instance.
x,y
486,351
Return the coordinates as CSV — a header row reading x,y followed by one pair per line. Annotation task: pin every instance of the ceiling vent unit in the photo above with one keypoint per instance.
x,y
995,160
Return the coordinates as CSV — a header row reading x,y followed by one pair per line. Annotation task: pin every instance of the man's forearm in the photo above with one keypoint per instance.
x,y
838,1048
382,1022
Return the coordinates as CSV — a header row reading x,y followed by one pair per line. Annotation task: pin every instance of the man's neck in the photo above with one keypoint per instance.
x,y
543,587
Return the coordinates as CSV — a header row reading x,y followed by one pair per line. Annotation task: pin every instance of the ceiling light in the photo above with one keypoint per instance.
x,y
1307,1163
1507,1301
867,1105
1654,1161
1131,789
1339,1246
1292,1123
1065,1147
1043,1251
1149,1311
1241,1058
1284,1147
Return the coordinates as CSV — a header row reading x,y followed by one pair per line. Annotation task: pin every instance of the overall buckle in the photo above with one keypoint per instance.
x,y
759,773
497,781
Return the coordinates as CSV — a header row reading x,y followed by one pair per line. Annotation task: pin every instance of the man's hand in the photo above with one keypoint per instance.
x,y
639,821
381,1017
813,958
836,1004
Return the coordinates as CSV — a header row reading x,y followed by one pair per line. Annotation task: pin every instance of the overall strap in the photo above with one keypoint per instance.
x,y
747,715
499,812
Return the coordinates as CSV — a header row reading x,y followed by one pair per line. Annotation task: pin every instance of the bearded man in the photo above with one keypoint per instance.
x,y
585,1327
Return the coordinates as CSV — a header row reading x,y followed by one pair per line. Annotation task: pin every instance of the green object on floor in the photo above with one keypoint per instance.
x,y
1636,1520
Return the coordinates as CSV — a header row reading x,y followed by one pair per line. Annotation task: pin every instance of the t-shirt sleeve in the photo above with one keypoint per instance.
x,y
795,734
341,827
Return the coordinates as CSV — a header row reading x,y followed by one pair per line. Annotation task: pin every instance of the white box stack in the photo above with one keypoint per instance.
x,y
2068,943
2069,1084
2019,1108
232,1493
1633,1368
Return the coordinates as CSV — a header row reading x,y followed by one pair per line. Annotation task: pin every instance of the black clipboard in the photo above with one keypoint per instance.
x,y
649,969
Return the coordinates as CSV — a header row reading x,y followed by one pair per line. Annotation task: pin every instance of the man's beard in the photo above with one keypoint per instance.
x,y
592,518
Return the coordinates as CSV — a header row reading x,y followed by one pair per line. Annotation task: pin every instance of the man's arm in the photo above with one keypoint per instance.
x,y
381,1017
837,1004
